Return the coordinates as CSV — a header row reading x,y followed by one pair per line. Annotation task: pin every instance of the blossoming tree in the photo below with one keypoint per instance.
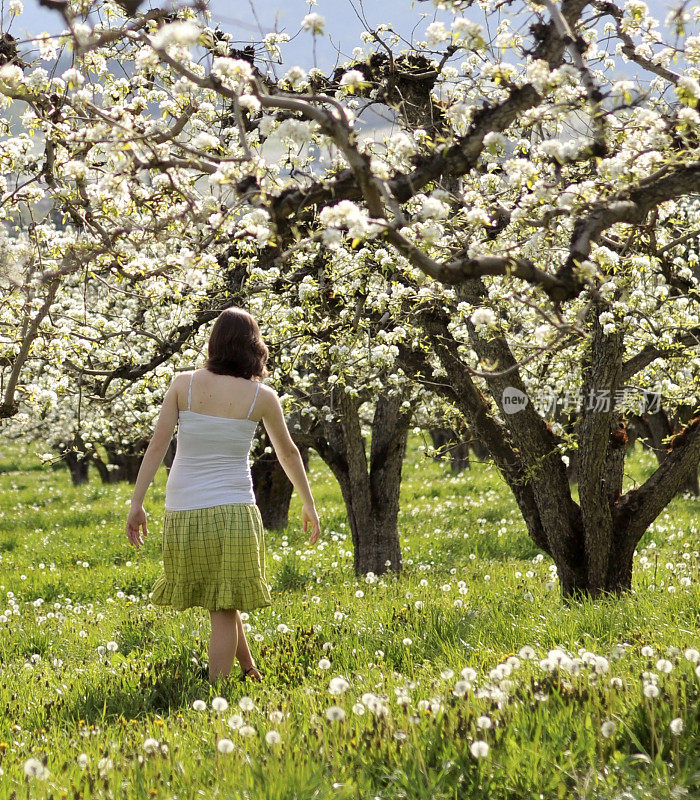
x,y
538,205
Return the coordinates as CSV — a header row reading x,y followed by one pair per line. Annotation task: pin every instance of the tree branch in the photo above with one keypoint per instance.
x,y
640,507
646,355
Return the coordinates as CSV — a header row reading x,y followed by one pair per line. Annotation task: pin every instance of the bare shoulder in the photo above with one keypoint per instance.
x,y
179,386
267,396
182,379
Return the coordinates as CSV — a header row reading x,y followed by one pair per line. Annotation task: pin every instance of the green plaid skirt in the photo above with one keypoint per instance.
x,y
213,557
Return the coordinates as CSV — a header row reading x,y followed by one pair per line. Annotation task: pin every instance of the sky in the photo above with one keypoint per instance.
x,y
244,19
343,27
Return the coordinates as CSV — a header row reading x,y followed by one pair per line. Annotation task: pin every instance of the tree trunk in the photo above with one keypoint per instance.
x,y
273,489
123,462
370,490
652,428
77,460
374,526
170,453
592,544
449,445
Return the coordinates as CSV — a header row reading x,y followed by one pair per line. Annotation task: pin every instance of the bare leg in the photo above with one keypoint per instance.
x,y
223,642
245,659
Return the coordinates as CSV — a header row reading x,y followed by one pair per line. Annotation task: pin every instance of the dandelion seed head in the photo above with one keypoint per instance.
x,y
246,703
35,769
273,737
335,713
150,745
338,685
479,749
235,721
676,725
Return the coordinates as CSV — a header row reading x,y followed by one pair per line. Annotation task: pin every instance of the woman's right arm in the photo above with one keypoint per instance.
x,y
290,458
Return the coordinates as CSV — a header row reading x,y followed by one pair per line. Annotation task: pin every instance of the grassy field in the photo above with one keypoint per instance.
x,y
465,677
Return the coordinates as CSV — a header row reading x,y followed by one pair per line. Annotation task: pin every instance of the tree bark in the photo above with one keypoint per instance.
x,y
451,447
123,462
652,429
170,453
371,488
592,544
77,460
273,489
601,378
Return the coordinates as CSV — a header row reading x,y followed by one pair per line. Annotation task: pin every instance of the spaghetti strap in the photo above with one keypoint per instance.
x,y
189,392
250,410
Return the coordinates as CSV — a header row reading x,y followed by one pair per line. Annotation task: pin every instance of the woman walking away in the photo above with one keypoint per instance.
x,y
213,537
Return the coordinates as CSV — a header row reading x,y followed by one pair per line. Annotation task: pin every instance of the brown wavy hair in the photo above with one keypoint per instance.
x,y
236,346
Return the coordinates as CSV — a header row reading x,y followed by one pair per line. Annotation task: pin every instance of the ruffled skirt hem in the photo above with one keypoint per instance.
x,y
213,598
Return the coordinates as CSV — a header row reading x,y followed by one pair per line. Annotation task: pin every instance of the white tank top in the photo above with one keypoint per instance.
x,y
211,465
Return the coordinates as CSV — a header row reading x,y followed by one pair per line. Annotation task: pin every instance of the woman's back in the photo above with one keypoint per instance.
x,y
211,465
221,395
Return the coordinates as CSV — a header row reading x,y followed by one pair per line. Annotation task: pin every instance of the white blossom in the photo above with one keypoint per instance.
x,y
352,79
181,32
314,23
483,318
689,86
436,32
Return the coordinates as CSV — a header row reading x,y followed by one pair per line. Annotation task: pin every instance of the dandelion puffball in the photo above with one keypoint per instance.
x,y
35,769
335,713
273,737
676,725
338,685
479,749
246,703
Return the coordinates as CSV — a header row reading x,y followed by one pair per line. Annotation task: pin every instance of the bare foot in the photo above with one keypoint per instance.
x,y
250,671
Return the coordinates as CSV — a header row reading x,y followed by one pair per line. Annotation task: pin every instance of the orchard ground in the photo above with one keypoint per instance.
x,y
464,677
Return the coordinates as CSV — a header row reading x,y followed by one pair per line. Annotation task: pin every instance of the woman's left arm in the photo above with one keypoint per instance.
x,y
155,452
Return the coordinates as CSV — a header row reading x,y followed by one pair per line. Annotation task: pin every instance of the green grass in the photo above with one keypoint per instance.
x,y
474,591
